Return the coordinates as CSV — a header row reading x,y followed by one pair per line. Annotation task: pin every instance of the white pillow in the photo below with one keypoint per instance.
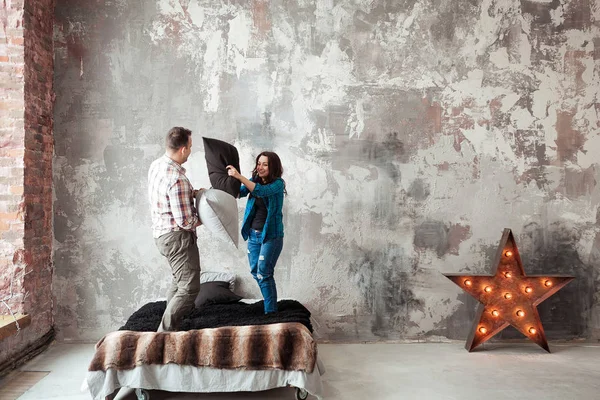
x,y
218,212
221,276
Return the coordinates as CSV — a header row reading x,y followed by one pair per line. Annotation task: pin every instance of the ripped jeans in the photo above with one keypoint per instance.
x,y
262,258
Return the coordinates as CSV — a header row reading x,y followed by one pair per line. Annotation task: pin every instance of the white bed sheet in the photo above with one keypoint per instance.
x,y
189,379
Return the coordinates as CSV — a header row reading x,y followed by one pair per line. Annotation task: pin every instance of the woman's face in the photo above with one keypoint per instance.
x,y
262,167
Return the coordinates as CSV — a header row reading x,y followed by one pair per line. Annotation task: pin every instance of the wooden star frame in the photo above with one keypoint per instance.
x,y
508,297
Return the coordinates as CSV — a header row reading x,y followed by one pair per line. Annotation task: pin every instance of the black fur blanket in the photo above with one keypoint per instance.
x,y
147,318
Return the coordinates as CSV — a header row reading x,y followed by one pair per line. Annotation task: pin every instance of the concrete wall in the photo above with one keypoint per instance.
x,y
411,132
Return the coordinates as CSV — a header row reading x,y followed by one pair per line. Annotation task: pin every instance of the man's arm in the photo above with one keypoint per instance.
x,y
182,205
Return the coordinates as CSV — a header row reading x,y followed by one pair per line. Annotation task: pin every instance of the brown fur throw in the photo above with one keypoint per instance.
x,y
288,346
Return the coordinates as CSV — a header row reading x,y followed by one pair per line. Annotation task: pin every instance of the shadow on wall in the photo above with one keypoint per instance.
x,y
548,249
386,289
553,250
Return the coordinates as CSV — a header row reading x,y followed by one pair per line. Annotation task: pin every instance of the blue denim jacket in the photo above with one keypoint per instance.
x,y
272,195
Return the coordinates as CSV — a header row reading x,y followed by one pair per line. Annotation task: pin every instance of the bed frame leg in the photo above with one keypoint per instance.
x,y
301,394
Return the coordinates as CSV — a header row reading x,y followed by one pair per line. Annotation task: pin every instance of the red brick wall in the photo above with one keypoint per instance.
x,y
26,149
39,148
12,125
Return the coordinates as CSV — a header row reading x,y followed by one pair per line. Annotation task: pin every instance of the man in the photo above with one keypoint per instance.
x,y
174,222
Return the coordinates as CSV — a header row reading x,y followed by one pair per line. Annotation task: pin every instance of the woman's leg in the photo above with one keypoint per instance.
x,y
253,253
269,253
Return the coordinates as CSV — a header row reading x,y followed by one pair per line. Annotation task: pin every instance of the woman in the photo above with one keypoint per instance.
x,y
263,221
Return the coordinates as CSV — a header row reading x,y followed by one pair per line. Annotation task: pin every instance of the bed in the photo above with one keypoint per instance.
x,y
220,348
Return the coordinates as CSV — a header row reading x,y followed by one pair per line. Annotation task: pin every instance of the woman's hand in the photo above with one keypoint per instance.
x,y
231,171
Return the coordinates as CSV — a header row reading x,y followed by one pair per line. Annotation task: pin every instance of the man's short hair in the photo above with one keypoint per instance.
x,y
178,137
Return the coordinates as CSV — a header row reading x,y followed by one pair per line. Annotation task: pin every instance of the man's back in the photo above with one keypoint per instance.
x,y
170,197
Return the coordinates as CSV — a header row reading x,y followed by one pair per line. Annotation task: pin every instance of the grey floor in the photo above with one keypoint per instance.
x,y
436,371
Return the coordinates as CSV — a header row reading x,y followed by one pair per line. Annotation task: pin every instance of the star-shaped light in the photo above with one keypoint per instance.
x,y
508,297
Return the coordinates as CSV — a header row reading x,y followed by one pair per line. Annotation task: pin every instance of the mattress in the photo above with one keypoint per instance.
x,y
228,358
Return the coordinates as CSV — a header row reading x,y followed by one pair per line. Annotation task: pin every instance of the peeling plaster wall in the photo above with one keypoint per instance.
x,y
411,132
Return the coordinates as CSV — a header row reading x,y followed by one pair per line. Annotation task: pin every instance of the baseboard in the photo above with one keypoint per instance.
x,y
27,354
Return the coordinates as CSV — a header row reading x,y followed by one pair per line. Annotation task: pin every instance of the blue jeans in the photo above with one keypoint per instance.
x,y
262,258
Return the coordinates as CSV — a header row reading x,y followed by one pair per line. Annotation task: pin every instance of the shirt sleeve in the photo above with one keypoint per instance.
x,y
182,204
270,189
244,191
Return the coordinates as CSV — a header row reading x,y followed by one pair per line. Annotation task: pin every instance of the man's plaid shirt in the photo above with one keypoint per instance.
x,y
171,198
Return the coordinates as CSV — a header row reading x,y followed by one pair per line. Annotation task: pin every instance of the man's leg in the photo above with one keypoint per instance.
x,y
172,289
165,244
182,253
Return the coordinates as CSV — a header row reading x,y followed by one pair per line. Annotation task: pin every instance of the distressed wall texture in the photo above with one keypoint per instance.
x,y
26,149
412,133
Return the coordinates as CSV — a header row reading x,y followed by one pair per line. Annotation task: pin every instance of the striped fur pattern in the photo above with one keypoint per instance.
x,y
287,346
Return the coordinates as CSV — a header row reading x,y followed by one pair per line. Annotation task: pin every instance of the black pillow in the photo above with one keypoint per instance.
x,y
215,292
218,156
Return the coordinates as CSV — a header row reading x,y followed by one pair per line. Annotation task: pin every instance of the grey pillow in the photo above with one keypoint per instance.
x,y
218,211
216,292
211,276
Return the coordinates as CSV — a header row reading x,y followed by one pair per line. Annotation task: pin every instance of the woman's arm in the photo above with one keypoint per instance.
x,y
267,190
247,185
256,189
243,191
234,173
